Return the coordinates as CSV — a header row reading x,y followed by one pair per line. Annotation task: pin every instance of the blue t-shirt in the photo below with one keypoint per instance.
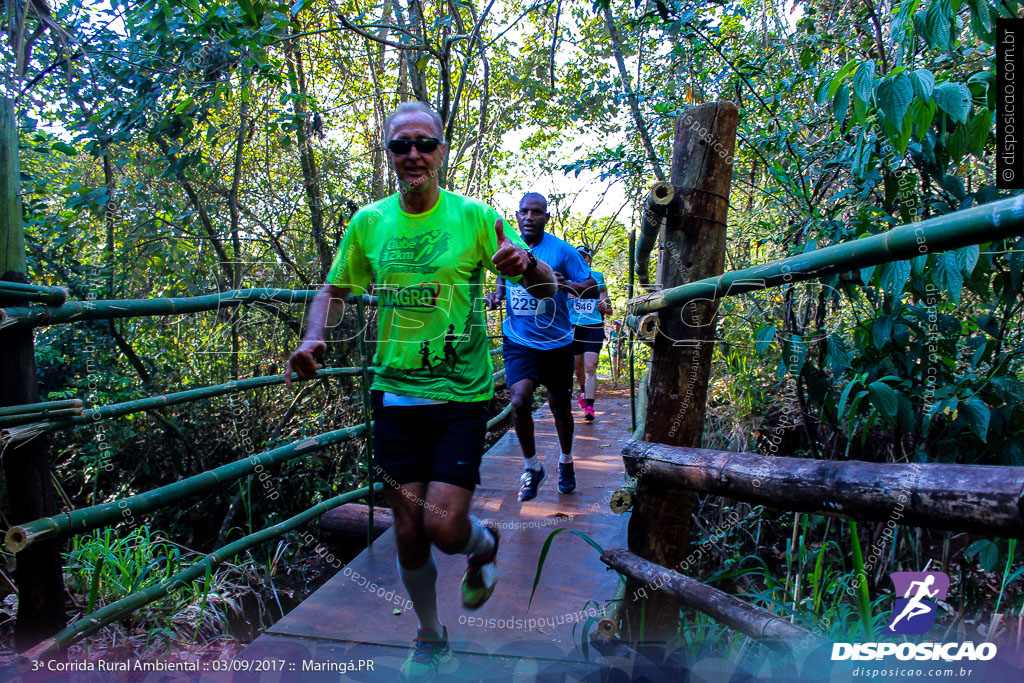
x,y
584,311
544,323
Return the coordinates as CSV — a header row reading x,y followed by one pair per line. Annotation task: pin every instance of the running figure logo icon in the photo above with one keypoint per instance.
x,y
914,613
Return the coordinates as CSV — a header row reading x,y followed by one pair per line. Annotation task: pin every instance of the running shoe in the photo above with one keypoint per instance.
x,y
427,655
582,401
481,575
588,413
532,479
566,477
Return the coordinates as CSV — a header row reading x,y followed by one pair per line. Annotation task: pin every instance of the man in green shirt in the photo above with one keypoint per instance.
x,y
427,251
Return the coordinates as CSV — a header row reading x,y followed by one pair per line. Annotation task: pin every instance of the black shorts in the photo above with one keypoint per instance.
x,y
551,367
442,442
587,339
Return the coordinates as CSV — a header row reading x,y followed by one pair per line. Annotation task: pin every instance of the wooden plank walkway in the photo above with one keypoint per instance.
x,y
344,621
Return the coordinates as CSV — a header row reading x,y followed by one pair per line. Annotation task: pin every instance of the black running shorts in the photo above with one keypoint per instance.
x,y
551,367
587,339
442,442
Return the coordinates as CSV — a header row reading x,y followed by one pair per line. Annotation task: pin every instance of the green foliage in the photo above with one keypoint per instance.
x,y
104,566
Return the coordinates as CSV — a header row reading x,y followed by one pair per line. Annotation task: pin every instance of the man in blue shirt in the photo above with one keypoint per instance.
x,y
587,320
537,345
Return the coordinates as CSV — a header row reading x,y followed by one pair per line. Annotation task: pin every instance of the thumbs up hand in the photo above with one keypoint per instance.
x,y
510,259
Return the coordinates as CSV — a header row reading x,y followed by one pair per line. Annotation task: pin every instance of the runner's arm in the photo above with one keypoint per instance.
x,y
495,298
326,311
540,281
587,289
605,304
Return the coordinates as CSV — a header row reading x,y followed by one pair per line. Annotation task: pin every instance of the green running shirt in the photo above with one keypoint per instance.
x,y
429,274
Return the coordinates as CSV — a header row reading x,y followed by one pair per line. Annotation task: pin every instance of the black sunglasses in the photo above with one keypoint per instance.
x,y
423,145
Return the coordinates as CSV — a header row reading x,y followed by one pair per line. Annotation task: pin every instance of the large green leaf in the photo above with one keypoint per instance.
x,y
763,338
956,144
881,331
839,355
924,83
794,356
884,399
841,104
250,11
838,79
894,97
864,81
977,415
65,148
894,277
978,131
967,259
946,275
937,21
954,99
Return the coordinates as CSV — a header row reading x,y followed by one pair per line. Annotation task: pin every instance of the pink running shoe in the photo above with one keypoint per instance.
x,y
582,401
588,413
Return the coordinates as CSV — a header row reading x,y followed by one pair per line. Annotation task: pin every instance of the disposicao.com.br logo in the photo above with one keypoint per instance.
x,y
914,614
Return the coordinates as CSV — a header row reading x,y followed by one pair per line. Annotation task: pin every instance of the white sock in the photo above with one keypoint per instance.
x,y
564,458
421,586
532,463
481,540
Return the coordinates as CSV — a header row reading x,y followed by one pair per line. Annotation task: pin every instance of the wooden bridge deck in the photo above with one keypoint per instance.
x,y
344,621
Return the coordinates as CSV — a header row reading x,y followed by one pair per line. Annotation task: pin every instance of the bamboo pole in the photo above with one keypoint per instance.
x,y
110,309
497,419
632,368
622,499
645,326
86,519
116,610
39,573
770,629
17,291
365,374
609,625
976,498
656,206
40,407
26,432
26,418
981,224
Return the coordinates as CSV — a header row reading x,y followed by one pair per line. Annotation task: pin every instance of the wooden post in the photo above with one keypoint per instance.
x,y
38,573
693,247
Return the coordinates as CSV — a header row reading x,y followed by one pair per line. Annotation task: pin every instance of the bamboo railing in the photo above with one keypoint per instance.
x,y
981,499
54,415
985,223
977,498
76,311
86,519
28,431
116,610
40,408
16,291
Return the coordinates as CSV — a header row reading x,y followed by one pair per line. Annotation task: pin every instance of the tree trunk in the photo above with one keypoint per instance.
x,y
694,238
38,573
307,160
236,240
627,88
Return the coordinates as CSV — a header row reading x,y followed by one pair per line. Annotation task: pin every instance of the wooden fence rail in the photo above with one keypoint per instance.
x,y
977,498
768,628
